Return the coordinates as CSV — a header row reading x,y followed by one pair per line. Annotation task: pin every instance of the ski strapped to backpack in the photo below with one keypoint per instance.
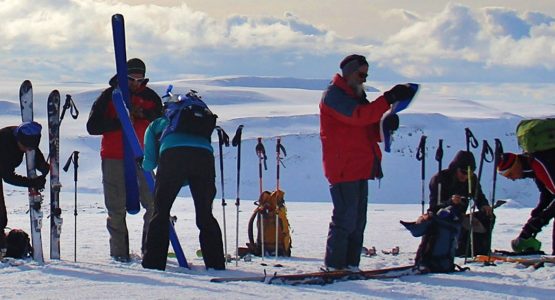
x,y
536,134
187,113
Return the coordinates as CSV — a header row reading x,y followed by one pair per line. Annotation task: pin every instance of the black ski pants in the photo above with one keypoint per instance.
x,y
348,221
177,165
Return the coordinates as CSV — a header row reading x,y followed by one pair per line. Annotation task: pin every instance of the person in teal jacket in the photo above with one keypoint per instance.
x,y
182,159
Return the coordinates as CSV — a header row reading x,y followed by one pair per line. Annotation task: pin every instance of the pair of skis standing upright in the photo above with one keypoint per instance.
x,y
35,197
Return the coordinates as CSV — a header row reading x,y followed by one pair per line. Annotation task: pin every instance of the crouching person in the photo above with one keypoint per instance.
x,y
444,229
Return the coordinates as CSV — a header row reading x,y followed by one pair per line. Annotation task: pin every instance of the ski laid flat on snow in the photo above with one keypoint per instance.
x,y
323,278
35,198
527,260
53,107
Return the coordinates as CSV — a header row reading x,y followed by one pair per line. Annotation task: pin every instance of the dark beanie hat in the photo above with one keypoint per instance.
x,y
351,63
136,65
28,134
463,160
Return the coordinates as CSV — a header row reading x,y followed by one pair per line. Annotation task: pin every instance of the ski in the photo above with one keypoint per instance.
x,y
322,278
527,260
133,151
53,107
131,184
35,197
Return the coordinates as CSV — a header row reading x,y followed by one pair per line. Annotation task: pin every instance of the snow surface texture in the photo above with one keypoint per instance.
x,y
290,110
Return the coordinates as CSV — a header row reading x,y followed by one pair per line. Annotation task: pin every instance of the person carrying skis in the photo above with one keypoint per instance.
x,y
146,106
182,159
454,196
349,131
15,141
539,166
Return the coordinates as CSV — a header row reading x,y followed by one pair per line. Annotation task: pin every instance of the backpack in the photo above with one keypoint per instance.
x,y
188,114
436,253
18,244
268,205
535,135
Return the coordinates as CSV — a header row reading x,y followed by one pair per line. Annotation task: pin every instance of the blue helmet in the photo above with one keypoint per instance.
x,y
28,134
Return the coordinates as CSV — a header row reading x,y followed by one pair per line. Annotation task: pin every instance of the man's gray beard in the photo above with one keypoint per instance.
x,y
358,89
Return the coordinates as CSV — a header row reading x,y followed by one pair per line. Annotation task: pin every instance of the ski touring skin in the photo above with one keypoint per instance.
x,y
53,107
135,151
35,197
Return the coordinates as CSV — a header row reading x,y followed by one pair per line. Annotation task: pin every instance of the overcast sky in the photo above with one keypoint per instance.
x,y
483,41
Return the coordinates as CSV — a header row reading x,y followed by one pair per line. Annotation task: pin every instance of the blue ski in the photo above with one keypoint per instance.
x,y
131,184
135,150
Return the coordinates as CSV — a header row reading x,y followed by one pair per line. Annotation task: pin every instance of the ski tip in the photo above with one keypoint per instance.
x,y
25,86
414,86
117,17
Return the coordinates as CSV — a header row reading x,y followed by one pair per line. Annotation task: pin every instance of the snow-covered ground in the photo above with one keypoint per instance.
x,y
286,107
95,276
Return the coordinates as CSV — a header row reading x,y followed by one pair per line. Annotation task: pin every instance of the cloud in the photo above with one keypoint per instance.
x,y
459,39
71,40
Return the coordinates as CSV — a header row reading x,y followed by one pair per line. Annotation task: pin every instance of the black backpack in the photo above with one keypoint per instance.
x,y
18,244
188,114
437,249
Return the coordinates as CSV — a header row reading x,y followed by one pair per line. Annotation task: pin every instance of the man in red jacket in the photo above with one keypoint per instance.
x,y
146,106
349,130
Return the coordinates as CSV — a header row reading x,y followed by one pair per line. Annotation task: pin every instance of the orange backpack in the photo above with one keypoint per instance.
x,y
268,206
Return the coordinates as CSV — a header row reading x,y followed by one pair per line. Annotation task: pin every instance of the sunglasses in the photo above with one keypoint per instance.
x,y
137,80
362,75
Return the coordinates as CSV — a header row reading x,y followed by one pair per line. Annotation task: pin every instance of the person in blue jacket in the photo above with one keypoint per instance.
x,y
181,159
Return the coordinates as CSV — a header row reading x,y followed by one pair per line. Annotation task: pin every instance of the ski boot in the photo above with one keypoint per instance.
x,y
521,245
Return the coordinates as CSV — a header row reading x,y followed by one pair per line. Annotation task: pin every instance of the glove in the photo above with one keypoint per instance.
x,y
391,122
398,93
38,182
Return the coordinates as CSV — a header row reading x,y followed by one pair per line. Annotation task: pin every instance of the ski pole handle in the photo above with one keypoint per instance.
x,y
439,154
470,139
74,157
421,155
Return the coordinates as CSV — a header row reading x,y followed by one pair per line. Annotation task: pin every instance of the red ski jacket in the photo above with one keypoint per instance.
x,y
103,119
349,130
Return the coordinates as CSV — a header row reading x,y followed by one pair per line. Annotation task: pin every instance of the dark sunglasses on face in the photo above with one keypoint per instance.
x,y
362,75
137,80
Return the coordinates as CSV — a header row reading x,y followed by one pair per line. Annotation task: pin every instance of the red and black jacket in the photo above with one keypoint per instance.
x,y
103,119
349,130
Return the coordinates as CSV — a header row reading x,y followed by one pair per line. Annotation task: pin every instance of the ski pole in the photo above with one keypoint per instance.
x,y
439,158
421,156
236,142
279,160
496,159
69,104
261,153
74,157
470,139
223,139
486,150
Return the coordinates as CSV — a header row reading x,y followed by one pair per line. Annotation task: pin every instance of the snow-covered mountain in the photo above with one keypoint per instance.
x,y
269,107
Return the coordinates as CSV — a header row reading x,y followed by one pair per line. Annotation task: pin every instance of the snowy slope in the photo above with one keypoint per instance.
x,y
287,108
268,111
94,276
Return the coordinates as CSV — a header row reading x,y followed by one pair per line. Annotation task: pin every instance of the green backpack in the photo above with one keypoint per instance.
x,y
536,134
